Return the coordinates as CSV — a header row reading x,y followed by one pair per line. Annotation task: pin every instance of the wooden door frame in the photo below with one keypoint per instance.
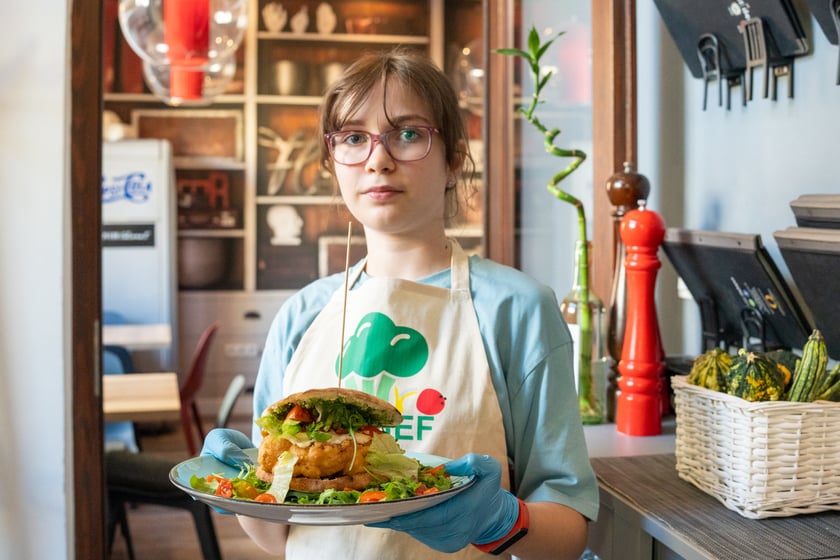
x,y
86,450
613,127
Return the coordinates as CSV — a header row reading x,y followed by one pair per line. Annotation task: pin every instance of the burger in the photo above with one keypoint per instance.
x,y
327,435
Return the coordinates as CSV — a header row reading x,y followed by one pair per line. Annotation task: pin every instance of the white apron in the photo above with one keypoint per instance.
x,y
418,347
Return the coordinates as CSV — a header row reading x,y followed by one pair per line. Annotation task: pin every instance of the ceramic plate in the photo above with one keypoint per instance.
x,y
310,514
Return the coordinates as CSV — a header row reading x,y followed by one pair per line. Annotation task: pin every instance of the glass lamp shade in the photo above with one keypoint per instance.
x,y
189,85
183,33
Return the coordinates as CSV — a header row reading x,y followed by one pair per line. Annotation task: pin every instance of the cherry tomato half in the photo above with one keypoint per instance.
x,y
436,470
225,489
372,496
300,414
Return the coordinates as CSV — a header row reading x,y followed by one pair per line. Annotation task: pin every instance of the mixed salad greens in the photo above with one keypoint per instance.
x,y
397,477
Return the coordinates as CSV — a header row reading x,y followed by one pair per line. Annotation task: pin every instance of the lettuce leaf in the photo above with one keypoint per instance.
x,y
201,484
282,472
386,460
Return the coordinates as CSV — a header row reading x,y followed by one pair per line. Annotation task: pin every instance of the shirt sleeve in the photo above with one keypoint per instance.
x,y
529,351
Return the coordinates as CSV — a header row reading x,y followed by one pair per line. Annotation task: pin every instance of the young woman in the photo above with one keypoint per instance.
x,y
491,383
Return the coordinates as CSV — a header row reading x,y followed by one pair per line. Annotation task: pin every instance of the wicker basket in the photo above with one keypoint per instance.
x,y
760,459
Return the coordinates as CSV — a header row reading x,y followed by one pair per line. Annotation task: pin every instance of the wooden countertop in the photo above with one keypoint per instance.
x,y
141,397
645,491
137,336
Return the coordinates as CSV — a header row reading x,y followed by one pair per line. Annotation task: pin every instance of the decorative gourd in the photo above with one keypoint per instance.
x,y
786,361
829,387
709,369
754,378
810,369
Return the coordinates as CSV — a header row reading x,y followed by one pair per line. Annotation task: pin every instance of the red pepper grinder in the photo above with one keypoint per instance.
x,y
639,406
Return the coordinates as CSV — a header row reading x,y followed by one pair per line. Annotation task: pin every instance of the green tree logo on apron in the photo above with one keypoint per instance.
x,y
379,352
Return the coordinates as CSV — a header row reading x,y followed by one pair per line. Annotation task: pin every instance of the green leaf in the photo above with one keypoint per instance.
x,y
536,50
512,52
387,461
545,79
203,485
534,42
547,44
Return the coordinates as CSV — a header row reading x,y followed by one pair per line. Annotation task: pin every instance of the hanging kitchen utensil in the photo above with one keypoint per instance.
x,y
735,80
785,69
761,50
783,35
755,48
716,66
709,53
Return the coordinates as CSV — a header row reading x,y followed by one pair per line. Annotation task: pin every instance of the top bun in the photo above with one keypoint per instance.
x,y
378,411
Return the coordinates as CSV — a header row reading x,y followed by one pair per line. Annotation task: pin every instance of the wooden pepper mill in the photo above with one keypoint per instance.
x,y
625,189
639,404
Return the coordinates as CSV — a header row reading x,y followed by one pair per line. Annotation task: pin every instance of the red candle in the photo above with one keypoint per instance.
x,y
639,405
186,27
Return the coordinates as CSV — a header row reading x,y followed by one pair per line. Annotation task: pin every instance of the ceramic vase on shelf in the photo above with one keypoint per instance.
x,y
585,315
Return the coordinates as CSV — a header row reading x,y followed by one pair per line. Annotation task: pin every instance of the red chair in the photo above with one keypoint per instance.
x,y
190,417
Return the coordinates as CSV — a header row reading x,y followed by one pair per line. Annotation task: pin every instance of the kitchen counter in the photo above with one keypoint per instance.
x,y
603,440
648,512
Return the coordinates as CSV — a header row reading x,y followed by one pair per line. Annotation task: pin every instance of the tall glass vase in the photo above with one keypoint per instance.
x,y
585,314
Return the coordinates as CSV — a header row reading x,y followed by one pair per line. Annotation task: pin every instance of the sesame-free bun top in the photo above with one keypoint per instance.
x,y
380,413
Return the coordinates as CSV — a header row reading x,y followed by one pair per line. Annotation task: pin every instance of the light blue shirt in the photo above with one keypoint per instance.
x,y
529,350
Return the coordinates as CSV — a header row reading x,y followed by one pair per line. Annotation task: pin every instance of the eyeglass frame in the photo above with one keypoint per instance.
x,y
377,138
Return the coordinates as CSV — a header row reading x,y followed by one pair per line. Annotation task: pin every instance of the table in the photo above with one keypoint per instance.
x,y
141,397
648,512
157,336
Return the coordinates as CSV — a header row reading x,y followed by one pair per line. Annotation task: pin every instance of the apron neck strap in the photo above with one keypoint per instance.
x,y
459,268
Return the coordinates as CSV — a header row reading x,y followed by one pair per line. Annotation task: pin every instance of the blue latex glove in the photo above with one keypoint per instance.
x,y
481,514
227,446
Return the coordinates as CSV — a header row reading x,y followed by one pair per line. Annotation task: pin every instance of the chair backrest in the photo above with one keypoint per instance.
x,y
195,376
116,360
111,317
234,390
192,384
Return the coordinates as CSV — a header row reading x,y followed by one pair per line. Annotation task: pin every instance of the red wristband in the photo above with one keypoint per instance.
x,y
519,530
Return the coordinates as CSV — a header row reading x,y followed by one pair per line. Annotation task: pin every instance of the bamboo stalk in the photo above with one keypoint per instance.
x,y
535,50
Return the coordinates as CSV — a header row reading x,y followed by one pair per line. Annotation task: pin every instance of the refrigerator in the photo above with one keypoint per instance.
x,y
139,242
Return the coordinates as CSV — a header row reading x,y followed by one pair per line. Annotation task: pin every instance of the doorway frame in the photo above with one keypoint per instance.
x,y
86,449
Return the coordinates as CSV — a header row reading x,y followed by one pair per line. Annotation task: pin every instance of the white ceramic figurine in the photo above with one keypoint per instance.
x,y
274,16
300,21
325,19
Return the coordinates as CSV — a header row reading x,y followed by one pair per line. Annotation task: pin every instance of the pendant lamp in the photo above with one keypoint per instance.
x,y
187,46
210,80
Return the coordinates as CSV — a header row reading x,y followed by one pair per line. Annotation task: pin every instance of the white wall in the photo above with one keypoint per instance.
x,y
736,170
34,307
